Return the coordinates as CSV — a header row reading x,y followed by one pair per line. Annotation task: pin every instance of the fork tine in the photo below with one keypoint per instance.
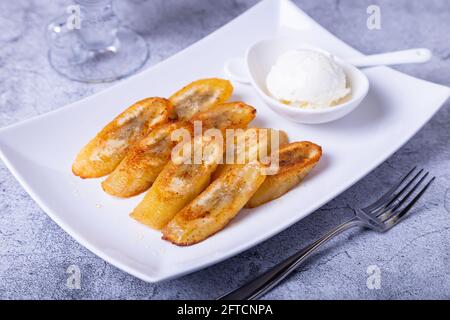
x,y
385,198
403,190
402,214
391,208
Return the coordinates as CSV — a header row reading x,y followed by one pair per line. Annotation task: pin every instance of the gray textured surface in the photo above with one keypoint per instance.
x,y
414,257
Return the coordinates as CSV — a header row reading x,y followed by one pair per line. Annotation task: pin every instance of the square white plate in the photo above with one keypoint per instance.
x,y
39,152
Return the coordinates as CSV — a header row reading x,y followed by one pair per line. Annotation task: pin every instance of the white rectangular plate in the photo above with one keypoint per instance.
x,y
39,152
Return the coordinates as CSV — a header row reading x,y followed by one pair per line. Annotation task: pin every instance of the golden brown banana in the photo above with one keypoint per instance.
x,y
139,169
214,208
296,160
258,142
143,163
226,115
179,182
200,95
228,193
103,153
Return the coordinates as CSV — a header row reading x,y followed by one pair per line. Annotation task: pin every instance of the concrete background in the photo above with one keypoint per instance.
x,y
414,258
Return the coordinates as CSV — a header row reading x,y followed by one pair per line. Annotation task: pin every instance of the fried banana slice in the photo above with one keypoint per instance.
x,y
226,115
214,208
139,169
143,163
296,160
179,183
200,95
103,153
258,143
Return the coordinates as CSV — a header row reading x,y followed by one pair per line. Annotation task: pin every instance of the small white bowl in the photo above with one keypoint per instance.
x,y
258,61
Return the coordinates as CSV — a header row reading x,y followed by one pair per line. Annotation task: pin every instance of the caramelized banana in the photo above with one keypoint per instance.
x,y
214,208
103,153
226,115
179,183
296,160
145,160
139,169
258,142
200,95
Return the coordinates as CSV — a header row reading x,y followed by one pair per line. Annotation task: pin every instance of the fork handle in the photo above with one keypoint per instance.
x,y
269,279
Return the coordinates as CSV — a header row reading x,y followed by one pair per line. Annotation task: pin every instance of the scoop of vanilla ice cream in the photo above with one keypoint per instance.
x,y
308,79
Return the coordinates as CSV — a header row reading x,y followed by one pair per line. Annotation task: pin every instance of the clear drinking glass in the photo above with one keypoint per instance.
x,y
88,44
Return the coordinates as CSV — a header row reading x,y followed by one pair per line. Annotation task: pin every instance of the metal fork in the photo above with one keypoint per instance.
x,y
380,216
